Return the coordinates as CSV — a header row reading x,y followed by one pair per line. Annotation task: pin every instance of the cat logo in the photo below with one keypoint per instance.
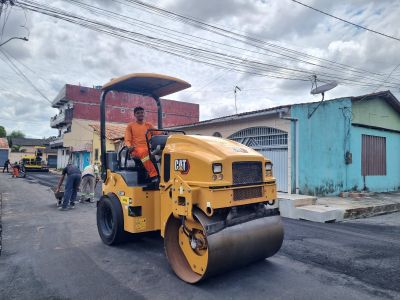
x,y
182,165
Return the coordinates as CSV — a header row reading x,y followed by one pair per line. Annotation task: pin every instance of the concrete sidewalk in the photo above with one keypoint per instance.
x,y
363,206
331,209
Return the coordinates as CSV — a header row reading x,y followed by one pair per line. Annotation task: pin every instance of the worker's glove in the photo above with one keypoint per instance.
x,y
130,149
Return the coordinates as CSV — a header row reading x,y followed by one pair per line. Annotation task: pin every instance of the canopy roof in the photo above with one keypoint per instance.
x,y
155,85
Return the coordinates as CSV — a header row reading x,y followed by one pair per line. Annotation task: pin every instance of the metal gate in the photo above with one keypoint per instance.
x,y
3,156
273,144
52,161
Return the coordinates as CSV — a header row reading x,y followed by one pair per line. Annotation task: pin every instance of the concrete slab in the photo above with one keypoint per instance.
x,y
327,209
289,202
320,213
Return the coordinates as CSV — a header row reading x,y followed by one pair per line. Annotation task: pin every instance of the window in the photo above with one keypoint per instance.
x,y
96,154
373,155
217,134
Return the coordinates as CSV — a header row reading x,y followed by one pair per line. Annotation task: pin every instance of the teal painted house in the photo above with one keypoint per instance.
x,y
346,144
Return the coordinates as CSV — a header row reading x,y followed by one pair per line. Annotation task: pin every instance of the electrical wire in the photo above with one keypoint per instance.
x,y
201,55
228,33
21,74
348,22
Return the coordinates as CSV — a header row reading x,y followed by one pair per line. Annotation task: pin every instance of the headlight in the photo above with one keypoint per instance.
x,y
217,168
268,166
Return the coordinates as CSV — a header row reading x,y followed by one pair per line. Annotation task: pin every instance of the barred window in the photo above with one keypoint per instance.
x,y
373,155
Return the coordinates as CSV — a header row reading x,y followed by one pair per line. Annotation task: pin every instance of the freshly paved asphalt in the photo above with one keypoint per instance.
x,y
49,254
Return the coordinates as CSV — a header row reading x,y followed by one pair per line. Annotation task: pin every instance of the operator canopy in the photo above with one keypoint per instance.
x,y
152,84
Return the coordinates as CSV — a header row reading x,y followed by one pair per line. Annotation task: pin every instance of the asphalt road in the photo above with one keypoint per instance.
x,y
51,180
49,254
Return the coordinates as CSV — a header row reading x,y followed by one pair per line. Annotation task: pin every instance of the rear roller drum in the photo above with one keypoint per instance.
x,y
194,255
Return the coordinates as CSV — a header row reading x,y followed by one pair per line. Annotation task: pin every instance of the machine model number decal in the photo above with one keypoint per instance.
x,y
140,223
124,200
182,165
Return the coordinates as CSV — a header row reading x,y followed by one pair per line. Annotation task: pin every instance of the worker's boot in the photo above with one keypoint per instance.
x,y
154,182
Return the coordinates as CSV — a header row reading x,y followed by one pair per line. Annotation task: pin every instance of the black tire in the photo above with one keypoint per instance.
x,y
110,221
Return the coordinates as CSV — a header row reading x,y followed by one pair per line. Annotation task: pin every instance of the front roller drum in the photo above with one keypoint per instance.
x,y
194,259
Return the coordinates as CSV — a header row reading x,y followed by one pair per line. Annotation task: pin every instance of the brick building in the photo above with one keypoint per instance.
x,y
79,106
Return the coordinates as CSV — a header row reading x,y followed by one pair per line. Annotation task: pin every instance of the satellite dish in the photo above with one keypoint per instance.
x,y
324,88
320,90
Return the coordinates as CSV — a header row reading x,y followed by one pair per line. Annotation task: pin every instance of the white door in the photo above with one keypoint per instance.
x,y
279,158
272,143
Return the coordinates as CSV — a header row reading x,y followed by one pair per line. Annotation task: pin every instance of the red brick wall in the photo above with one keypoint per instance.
x,y
120,107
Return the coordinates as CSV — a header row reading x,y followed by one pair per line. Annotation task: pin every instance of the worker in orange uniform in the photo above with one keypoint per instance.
x,y
135,139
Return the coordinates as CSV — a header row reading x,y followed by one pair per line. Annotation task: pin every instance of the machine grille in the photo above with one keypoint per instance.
x,y
247,193
247,172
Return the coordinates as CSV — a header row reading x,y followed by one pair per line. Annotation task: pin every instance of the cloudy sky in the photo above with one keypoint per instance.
x,y
59,52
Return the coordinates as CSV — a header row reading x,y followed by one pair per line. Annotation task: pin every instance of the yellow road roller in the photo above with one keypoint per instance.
x,y
215,201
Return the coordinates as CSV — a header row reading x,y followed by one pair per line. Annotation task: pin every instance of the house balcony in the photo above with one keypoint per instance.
x,y
61,119
57,143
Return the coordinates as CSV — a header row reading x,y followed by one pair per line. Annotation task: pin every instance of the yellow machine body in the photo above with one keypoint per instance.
x,y
34,162
197,186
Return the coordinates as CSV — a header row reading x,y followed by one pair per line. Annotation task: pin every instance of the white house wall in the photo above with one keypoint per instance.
x,y
230,127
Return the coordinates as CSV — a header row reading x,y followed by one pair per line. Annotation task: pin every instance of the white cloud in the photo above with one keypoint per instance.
x,y
58,53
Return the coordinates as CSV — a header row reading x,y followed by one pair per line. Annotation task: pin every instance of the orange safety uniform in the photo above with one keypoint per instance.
x,y
135,136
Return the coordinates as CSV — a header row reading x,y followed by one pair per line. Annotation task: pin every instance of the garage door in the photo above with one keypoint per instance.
x,y
272,143
3,156
52,161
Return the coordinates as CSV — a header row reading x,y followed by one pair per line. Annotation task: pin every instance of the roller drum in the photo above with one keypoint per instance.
x,y
242,244
227,249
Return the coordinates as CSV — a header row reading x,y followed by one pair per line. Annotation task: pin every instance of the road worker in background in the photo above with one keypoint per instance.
x,y
15,168
135,139
72,186
90,176
6,164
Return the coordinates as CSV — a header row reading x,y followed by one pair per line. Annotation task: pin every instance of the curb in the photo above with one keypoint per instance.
x,y
365,212
56,172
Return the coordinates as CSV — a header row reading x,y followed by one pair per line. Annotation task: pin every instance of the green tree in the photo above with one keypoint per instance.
x,y
3,132
16,134
15,148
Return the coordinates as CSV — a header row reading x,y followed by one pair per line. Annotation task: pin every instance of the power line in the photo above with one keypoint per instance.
x,y
348,22
224,32
390,74
196,53
26,67
21,74
228,33
6,15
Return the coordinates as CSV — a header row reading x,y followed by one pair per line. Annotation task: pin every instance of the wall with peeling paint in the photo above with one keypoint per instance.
x,y
322,146
336,128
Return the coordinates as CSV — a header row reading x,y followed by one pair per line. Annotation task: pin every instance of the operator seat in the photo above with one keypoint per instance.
x,y
157,144
131,168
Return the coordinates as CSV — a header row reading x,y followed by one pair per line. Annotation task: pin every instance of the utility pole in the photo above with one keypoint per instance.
x,y
235,91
